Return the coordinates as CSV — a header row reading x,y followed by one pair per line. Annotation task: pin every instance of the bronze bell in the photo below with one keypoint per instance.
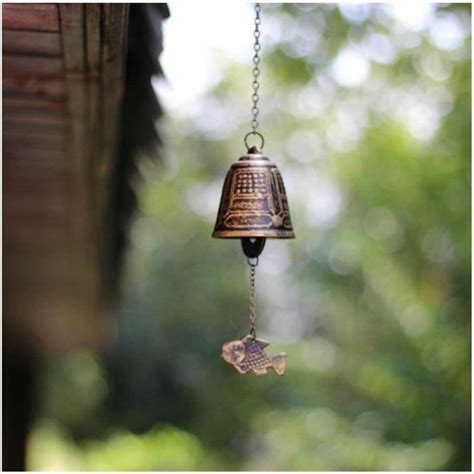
x,y
253,205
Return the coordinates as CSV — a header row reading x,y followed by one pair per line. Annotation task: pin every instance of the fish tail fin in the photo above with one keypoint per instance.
x,y
279,363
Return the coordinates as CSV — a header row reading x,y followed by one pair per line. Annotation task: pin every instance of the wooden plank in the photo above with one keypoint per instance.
x,y
19,215
44,123
34,128
31,43
40,284
41,197
40,182
21,65
113,76
18,232
56,324
73,28
31,106
74,46
114,47
116,19
72,33
94,18
57,136
35,104
46,263
41,203
33,142
22,216
94,66
30,251
93,51
15,135
33,189
18,168
31,16
20,86
18,162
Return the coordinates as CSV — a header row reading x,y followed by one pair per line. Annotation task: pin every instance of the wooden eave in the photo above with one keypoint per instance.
x,y
63,77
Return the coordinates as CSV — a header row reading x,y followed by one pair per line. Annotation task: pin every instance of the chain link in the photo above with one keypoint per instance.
x,y
254,125
256,70
253,313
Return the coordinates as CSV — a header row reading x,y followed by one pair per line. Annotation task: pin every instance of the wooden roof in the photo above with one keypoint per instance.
x,y
63,79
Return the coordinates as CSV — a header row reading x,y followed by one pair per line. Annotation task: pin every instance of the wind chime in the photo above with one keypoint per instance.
x,y
253,208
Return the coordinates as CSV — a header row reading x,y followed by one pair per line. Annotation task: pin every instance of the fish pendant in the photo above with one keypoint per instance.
x,y
248,355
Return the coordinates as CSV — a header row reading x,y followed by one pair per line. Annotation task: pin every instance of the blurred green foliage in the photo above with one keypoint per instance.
x,y
371,301
162,448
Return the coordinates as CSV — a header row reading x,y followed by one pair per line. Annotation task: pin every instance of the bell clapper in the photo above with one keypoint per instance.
x,y
253,247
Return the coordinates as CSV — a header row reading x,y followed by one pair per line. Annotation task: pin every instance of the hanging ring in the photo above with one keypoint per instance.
x,y
252,262
253,132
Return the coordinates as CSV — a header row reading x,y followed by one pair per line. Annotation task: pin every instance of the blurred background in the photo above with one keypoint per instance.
x,y
366,109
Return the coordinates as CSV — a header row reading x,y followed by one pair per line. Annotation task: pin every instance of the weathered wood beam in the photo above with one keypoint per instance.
x,y
30,16
45,125
32,141
72,22
61,102
24,65
94,52
17,161
39,43
36,105
34,87
114,43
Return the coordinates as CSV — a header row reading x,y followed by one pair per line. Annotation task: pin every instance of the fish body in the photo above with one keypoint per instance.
x,y
248,355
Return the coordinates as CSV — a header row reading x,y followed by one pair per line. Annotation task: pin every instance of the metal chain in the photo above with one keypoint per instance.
x,y
256,69
253,312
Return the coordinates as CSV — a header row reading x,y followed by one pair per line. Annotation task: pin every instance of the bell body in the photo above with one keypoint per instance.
x,y
253,201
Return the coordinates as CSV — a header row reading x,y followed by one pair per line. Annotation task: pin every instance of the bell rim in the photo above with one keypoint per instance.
x,y
238,234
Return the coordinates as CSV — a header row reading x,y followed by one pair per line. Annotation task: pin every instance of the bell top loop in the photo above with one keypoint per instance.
x,y
262,141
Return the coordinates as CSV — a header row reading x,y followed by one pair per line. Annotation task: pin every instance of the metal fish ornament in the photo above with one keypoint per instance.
x,y
248,355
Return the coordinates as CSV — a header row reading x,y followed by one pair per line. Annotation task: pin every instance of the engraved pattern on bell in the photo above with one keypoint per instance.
x,y
253,202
